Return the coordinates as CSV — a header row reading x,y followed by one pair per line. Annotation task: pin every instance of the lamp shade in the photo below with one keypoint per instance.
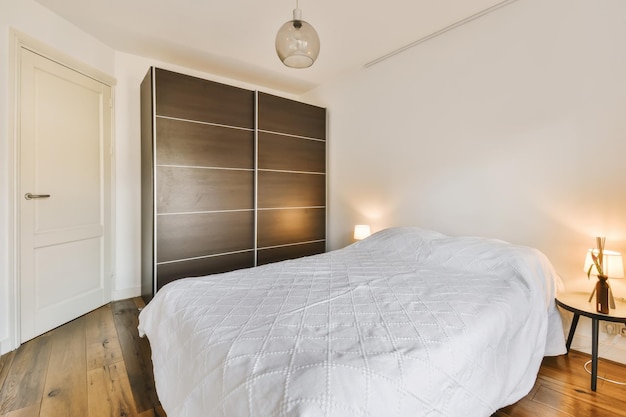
x,y
361,231
612,263
297,42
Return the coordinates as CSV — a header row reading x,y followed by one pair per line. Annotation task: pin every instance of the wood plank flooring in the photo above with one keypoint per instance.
x,y
563,389
98,366
94,366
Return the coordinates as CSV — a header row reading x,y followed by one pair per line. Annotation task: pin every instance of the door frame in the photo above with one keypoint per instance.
x,y
17,42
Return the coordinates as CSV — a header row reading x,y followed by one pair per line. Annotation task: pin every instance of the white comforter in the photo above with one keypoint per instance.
x,y
406,323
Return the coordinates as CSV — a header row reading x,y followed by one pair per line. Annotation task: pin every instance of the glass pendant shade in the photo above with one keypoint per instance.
x,y
297,43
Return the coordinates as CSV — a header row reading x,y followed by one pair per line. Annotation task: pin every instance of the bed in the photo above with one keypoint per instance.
x,y
407,323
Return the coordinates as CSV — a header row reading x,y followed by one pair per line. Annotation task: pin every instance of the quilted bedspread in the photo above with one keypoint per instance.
x,y
405,323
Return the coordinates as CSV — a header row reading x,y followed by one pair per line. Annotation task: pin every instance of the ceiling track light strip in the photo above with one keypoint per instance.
x,y
440,32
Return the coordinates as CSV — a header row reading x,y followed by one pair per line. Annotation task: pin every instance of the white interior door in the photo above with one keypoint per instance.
x,y
65,164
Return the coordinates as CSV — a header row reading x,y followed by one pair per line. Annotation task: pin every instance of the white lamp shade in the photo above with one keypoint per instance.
x,y
361,231
612,263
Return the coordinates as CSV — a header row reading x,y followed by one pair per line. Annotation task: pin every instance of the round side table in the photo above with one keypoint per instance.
x,y
578,303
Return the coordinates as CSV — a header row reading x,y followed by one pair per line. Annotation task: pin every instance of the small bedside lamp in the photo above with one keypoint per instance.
x,y
612,263
361,231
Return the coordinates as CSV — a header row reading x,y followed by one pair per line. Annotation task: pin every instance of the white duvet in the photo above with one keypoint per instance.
x,y
406,323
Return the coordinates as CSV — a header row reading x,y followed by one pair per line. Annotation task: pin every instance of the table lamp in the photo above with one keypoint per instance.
x,y
612,264
361,231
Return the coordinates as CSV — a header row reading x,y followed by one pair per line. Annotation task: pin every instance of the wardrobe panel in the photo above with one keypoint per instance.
x,y
190,98
277,114
196,144
287,226
184,190
288,189
266,256
182,236
169,272
288,153
147,189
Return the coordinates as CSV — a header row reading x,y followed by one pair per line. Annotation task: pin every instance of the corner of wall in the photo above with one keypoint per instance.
x,y
124,293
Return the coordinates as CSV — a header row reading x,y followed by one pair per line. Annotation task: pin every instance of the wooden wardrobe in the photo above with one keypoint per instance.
x,y
231,178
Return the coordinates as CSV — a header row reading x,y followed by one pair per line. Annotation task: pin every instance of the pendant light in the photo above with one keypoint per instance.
x,y
297,43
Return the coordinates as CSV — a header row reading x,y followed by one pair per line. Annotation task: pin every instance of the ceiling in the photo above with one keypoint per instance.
x,y
235,38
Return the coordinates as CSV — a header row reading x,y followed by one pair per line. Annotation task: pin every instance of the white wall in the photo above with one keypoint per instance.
x,y
512,126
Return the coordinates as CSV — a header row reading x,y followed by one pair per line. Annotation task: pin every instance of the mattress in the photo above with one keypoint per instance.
x,y
407,322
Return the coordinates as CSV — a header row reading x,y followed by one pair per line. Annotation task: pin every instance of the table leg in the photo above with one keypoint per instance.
x,y
595,324
572,330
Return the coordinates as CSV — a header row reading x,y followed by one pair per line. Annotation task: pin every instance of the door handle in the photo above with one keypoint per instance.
x,y
30,196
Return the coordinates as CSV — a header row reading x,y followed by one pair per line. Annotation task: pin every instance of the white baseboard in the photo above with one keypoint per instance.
x,y
612,347
6,346
609,347
124,293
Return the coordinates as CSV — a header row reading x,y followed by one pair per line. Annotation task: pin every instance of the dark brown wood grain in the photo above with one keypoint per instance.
x,y
286,189
147,187
266,256
288,153
193,235
186,97
169,272
199,168
194,144
186,190
287,226
201,135
281,115
286,185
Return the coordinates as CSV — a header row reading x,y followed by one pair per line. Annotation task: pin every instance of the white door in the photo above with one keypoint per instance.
x,y
64,201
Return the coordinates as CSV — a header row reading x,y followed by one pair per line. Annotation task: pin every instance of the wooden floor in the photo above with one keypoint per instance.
x,y
97,365
563,389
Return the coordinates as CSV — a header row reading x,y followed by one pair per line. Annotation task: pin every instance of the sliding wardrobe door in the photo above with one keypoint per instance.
x,y
291,195
230,178
203,177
